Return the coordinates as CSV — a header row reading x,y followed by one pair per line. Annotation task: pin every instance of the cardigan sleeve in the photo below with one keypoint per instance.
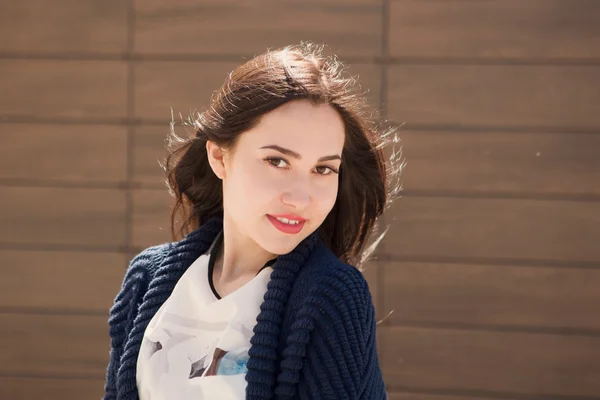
x,y
341,356
121,314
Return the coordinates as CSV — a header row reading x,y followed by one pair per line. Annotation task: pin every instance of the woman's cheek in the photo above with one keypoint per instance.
x,y
326,195
262,183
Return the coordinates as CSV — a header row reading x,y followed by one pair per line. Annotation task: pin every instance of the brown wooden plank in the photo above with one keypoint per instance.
x,y
93,153
415,396
495,28
51,388
151,217
58,345
150,152
64,216
497,95
350,27
490,361
369,78
63,88
501,161
497,228
183,86
186,87
496,295
56,279
370,271
84,26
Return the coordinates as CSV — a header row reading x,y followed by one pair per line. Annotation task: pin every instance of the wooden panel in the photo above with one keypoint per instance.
x,y
150,152
495,28
504,161
492,295
68,89
350,27
73,26
187,86
56,279
58,345
182,86
490,361
509,229
66,216
414,396
151,217
63,152
369,78
371,274
51,389
499,95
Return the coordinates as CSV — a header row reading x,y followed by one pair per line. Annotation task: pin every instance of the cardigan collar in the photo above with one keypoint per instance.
x,y
263,364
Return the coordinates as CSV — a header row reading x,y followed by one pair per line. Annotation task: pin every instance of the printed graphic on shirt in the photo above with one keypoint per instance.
x,y
196,346
177,339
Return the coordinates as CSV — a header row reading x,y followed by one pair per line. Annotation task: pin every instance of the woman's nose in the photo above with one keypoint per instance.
x,y
298,197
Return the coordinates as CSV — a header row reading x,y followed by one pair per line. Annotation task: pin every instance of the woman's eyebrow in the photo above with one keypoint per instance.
x,y
292,153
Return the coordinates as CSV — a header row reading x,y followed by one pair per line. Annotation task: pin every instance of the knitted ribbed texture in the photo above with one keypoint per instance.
x,y
314,337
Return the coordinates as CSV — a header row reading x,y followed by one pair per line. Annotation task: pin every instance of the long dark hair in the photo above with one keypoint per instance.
x,y
367,183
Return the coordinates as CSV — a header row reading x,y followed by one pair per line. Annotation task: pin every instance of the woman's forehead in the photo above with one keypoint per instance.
x,y
300,122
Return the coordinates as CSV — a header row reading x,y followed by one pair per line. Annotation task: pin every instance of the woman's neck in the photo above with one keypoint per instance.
x,y
238,259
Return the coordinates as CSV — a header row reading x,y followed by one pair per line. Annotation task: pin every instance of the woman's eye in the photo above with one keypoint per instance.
x,y
325,170
275,161
281,163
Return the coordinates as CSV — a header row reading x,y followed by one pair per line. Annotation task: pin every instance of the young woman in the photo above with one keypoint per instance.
x,y
280,188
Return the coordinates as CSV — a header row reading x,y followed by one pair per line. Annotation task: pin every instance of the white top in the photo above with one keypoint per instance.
x,y
196,345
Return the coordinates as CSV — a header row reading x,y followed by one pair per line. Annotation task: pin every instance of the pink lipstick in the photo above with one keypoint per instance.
x,y
287,228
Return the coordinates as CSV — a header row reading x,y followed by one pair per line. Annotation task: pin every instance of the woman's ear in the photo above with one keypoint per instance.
x,y
216,158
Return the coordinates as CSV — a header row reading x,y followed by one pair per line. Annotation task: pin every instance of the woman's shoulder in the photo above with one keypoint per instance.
x,y
326,274
145,263
332,296
137,278
323,262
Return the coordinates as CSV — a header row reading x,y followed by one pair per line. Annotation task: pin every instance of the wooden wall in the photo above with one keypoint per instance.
x,y
492,262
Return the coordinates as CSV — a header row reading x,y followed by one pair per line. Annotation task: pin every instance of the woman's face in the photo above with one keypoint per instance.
x,y
286,166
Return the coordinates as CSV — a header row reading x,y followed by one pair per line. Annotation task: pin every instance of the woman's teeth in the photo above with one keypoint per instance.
x,y
288,221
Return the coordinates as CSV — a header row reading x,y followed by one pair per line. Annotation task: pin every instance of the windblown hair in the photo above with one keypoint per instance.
x,y
367,183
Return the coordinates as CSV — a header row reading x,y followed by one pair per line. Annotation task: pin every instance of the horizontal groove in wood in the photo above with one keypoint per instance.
x,y
156,184
506,195
413,393
477,327
466,260
72,247
413,125
380,256
348,59
60,311
151,217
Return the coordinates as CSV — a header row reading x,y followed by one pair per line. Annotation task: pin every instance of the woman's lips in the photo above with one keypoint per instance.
x,y
287,228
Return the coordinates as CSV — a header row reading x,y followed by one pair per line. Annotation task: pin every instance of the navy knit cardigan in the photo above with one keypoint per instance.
x,y
315,333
